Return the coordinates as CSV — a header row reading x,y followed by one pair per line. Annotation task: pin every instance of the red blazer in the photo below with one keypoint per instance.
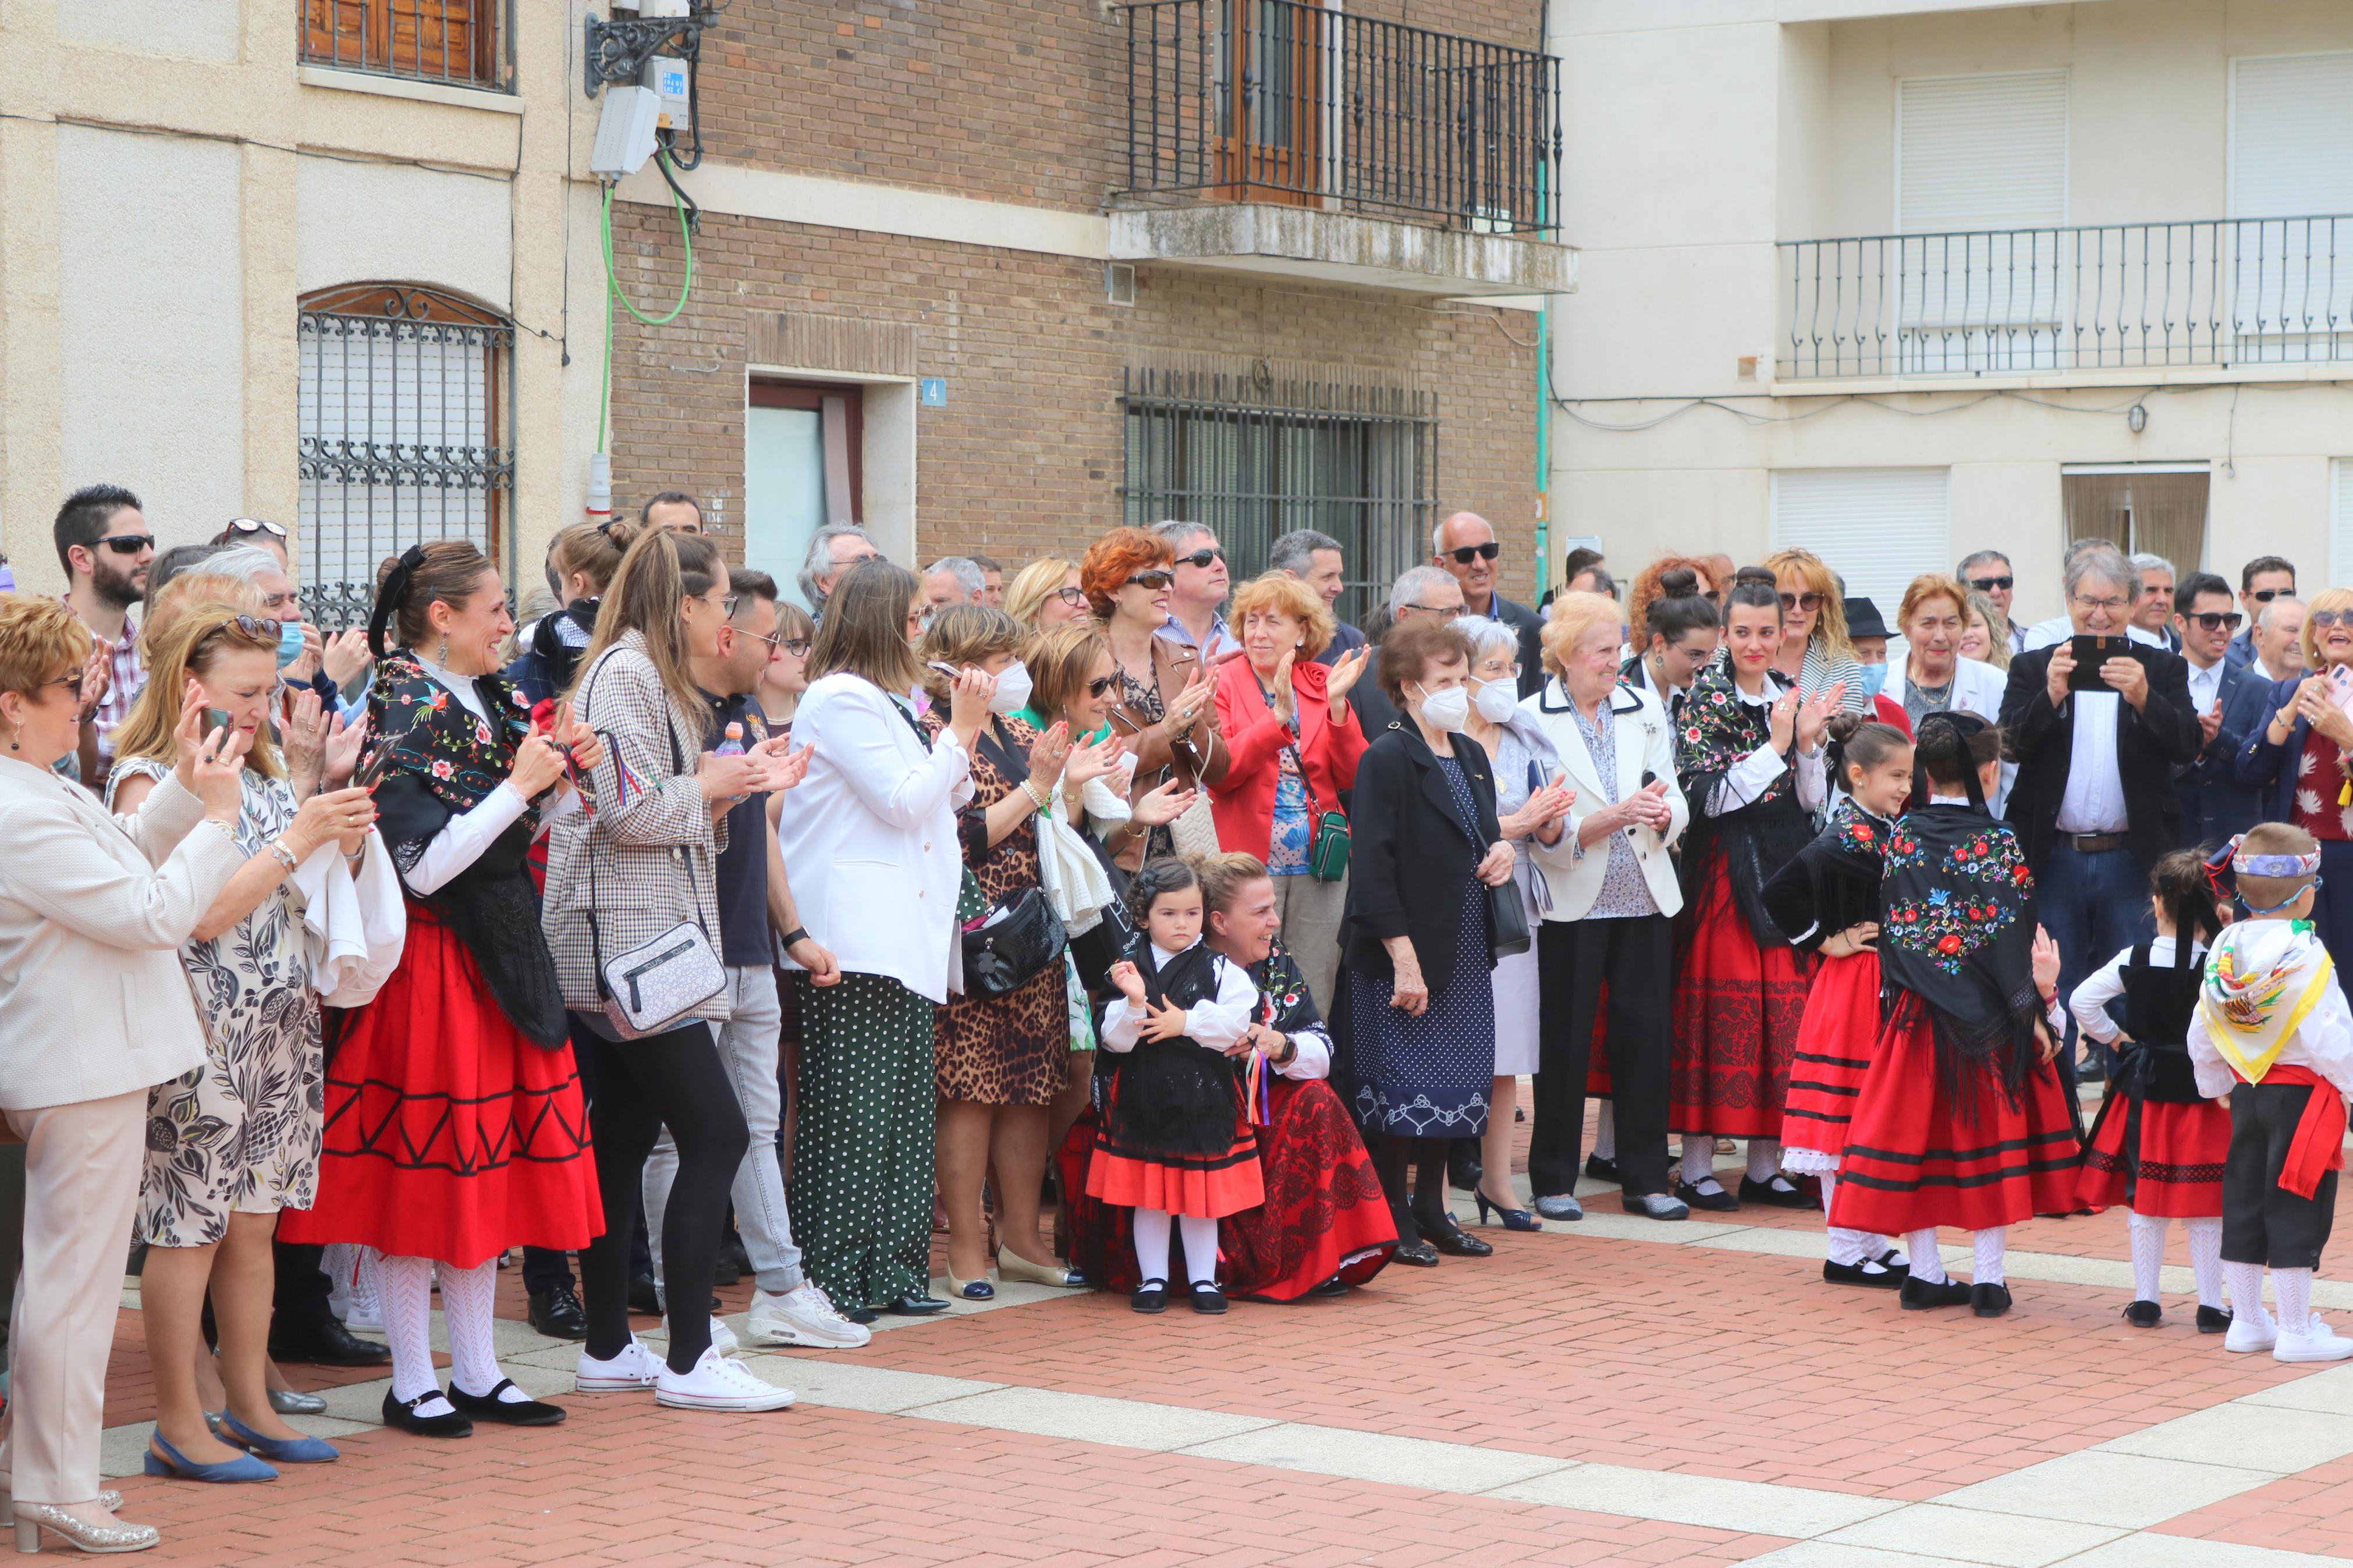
x,y
1242,803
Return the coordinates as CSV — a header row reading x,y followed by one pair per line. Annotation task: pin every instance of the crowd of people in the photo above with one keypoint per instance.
x,y
1134,929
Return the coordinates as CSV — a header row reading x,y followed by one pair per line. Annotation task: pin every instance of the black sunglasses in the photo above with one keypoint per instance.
x,y
1992,584
1202,557
1154,578
1486,551
2216,620
1101,684
70,682
251,625
2265,596
254,525
129,543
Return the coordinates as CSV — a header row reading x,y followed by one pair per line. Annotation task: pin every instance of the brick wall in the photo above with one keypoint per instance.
x,y
1026,458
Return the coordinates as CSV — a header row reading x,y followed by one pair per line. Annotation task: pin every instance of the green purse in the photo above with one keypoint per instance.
x,y
1327,831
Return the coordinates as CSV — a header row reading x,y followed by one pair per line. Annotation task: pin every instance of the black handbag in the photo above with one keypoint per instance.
x,y
1011,944
1508,920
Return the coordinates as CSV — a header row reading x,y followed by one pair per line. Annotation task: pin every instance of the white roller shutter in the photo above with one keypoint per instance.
x,y
1877,527
2340,528
2292,165
1982,194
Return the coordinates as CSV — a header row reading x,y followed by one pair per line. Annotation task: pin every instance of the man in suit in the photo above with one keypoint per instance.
x,y
2214,803
2094,804
1315,559
2261,580
1464,546
2153,610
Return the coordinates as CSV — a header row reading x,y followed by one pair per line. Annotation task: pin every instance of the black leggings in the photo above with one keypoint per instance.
x,y
1391,1156
671,1080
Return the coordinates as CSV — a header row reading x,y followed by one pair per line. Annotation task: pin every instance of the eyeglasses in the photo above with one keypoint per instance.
x,y
2216,620
2325,619
1992,584
1808,603
1101,684
1154,578
129,543
2265,596
1487,551
70,682
2101,603
1449,611
726,605
254,525
1074,597
1202,557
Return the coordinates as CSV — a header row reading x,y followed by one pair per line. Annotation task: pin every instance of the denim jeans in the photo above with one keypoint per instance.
x,y
749,1043
2094,907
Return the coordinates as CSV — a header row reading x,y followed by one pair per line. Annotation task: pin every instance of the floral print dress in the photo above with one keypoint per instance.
x,y
240,1134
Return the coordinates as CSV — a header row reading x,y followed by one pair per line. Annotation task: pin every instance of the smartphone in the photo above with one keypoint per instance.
x,y
215,720
374,770
2093,649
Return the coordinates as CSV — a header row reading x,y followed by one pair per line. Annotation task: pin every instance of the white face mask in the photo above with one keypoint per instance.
x,y
1496,699
1012,693
1448,710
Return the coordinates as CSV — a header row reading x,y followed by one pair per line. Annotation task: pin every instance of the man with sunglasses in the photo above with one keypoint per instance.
x,y
2261,580
2228,700
1464,544
1198,594
1989,572
104,545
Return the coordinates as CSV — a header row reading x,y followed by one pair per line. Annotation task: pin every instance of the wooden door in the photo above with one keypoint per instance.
x,y
1277,59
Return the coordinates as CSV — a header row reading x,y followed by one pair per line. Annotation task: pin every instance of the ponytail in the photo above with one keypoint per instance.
x,y
1859,740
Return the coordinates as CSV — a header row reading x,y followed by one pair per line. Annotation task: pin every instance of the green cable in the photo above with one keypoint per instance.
x,y
613,291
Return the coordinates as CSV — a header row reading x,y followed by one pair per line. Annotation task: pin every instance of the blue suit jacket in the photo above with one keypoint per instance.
x,y
2215,804
2272,769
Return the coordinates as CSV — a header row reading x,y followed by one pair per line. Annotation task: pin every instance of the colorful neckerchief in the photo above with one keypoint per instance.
x,y
458,756
2262,979
1717,730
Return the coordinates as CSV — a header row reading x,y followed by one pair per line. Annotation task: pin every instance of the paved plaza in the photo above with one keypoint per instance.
x,y
1614,1392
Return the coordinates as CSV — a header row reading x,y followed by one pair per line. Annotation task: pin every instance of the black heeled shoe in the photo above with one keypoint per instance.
x,y
1514,1219
1441,1232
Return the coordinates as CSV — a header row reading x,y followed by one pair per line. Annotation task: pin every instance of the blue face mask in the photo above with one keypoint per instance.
x,y
1875,679
289,642
7,578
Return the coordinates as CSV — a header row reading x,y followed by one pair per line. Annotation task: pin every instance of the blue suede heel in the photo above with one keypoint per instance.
x,y
178,1466
286,1452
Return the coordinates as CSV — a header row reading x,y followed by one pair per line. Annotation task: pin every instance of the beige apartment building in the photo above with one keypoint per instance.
x,y
1898,279
317,261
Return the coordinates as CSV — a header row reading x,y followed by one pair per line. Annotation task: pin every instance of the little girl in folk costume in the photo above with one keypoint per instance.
x,y
2272,1033
1827,900
1175,1141
2158,1144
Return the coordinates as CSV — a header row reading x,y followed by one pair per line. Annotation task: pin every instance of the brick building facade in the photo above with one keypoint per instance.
x,y
956,297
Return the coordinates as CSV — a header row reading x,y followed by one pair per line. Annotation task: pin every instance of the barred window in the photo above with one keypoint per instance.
x,y
458,43
1254,456
406,434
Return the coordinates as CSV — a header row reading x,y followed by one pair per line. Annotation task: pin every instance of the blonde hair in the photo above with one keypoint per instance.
x,y
1060,661
1830,626
2337,599
191,591
1996,627
1573,616
1033,585
190,646
1223,876
647,595
40,640
1285,595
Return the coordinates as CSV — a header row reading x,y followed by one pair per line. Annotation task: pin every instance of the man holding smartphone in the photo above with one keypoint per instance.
x,y
2098,724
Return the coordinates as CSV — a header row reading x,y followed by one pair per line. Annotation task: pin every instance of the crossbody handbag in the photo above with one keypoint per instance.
x,y
653,984
1327,831
1011,942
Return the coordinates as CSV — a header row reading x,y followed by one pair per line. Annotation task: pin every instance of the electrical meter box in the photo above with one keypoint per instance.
x,y
666,79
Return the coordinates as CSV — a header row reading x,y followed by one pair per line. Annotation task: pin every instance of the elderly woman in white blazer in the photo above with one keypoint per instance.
x,y
94,1012
871,839
1933,677
1608,898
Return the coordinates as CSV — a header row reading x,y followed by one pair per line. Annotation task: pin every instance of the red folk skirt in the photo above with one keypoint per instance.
x,y
1205,1186
1833,1050
1913,1161
1324,1213
1597,1065
1737,1009
448,1136
2165,1160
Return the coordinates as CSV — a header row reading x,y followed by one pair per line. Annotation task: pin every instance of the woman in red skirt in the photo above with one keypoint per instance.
x,y
454,1125
1960,1119
2159,1145
1750,755
1827,901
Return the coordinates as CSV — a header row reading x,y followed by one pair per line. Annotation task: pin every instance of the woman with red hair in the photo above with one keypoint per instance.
x,y
1165,710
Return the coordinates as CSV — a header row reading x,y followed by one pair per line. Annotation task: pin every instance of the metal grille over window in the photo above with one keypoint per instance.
x,y
458,43
1254,455
406,435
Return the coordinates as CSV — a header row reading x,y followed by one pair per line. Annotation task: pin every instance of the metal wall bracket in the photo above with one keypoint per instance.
x,y
618,49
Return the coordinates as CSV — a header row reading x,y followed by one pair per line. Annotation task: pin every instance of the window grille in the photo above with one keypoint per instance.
x,y
1254,456
456,43
406,431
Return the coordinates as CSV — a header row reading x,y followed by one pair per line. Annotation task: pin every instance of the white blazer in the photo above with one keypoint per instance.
x,y
1976,689
869,839
93,1002
1645,743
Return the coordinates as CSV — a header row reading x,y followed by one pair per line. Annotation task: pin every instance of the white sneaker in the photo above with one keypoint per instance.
x,y
2318,1342
636,1367
2250,1332
718,1384
722,1338
801,1316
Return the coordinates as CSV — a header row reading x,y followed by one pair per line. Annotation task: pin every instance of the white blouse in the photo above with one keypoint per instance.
x,y
464,838
1213,1024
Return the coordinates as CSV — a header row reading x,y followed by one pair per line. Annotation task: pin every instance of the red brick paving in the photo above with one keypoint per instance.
x,y
2310,1512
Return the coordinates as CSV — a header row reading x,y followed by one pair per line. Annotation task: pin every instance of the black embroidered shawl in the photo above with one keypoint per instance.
x,y
1833,883
1715,731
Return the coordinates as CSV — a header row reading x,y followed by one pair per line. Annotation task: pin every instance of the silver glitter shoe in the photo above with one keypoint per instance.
x,y
108,1499
32,1517
290,1402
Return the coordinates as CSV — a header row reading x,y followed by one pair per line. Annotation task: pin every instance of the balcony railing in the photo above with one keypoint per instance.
x,y
1276,100
2221,293
453,43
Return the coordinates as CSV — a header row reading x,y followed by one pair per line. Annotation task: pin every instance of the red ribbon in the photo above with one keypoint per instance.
x,y
2319,1143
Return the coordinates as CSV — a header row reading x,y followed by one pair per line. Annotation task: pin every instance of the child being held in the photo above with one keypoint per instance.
x,y
2274,1034
1175,1142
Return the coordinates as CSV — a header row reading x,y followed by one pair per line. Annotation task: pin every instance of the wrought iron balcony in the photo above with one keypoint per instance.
x,y
1284,102
2226,292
